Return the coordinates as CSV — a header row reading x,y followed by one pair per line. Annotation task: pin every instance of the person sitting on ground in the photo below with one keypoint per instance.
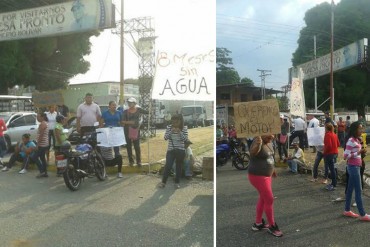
x,y
112,160
24,152
297,158
189,160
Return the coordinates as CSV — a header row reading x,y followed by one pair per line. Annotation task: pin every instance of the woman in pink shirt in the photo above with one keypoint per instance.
x,y
353,154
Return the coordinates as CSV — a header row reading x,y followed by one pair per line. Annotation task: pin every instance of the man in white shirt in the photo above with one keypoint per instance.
x,y
314,123
299,131
88,113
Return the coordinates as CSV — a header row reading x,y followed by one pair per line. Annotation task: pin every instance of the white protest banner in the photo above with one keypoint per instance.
x,y
56,19
297,101
315,136
185,59
257,118
111,137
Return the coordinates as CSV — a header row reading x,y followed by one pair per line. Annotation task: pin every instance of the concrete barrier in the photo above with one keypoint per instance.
x,y
208,168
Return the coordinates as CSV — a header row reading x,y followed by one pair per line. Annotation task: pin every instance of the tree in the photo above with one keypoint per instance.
x,y
47,63
248,81
225,73
351,85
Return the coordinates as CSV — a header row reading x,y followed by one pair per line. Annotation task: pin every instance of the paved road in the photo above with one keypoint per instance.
x,y
304,212
117,212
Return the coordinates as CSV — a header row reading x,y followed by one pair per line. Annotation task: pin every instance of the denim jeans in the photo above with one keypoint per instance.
x,y
318,159
171,157
354,182
330,160
41,154
293,165
3,148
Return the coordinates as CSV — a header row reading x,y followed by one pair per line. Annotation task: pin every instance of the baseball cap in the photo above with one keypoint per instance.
x,y
131,100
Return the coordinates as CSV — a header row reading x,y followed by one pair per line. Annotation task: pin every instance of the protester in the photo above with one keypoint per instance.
x,y
260,171
51,115
353,154
282,138
60,137
131,121
232,132
319,156
42,144
112,118
3,148
63,110
218,133
328,119
299,131
109,160
189,160
88,113
297,158
24,152
341,128
331,144
314,123
177,135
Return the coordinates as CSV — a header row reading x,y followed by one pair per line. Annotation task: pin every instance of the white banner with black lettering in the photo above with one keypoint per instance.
x,y
185,51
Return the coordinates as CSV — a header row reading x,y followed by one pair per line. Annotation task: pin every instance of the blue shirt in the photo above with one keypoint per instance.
x,y
112,120
23,148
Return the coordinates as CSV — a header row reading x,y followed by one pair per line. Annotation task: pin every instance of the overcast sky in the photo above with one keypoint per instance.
x,y
262,34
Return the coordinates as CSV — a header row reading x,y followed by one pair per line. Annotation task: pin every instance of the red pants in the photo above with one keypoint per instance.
x,y
265,201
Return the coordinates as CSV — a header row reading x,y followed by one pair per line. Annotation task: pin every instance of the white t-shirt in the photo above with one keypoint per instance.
x,y
51,119
314,122
299,124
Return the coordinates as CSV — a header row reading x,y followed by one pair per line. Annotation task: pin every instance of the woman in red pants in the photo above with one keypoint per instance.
x,y
260,171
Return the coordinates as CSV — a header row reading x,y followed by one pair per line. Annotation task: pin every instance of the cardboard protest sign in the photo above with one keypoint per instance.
x,y
46,99
315,136
257,118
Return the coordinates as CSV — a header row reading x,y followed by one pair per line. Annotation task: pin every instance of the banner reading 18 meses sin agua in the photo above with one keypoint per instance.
x,y
185,58
257,118
56,19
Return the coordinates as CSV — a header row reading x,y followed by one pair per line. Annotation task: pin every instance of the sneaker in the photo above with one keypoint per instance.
x,y
161,185
274,230
325,181
5,169
366,217
330,187
119,175
350,214
261,226
177,186
23,171
354,204
42,175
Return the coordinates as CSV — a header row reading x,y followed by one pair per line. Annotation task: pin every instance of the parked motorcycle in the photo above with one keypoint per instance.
x,y
224,152
84,161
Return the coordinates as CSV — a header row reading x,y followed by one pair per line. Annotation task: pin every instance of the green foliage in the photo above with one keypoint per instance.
x,y
47,63
248,81
225,73
350,86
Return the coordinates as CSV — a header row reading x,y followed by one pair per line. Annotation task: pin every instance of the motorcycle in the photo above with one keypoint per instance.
x,y
84,161
240,160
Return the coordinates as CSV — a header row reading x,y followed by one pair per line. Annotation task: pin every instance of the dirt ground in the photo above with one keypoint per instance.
x,y
155,148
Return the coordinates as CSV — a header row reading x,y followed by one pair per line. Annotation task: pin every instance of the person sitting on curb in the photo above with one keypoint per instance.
x,y
112,160
24,152
296,159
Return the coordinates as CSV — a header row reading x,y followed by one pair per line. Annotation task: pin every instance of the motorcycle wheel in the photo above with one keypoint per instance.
x,y
99,165
221,159
241,162
71,178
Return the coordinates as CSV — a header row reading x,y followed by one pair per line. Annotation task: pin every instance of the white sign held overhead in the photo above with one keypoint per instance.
x,y
297,101
185,53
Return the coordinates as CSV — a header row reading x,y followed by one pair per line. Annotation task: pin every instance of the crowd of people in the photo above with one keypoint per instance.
x,y
51,137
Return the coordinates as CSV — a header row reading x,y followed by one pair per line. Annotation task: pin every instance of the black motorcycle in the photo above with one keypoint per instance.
x,y
85,161
240,159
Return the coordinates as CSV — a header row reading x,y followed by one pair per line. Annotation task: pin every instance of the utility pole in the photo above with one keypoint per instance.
x,y
331,63
121,98
314,48
263,85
